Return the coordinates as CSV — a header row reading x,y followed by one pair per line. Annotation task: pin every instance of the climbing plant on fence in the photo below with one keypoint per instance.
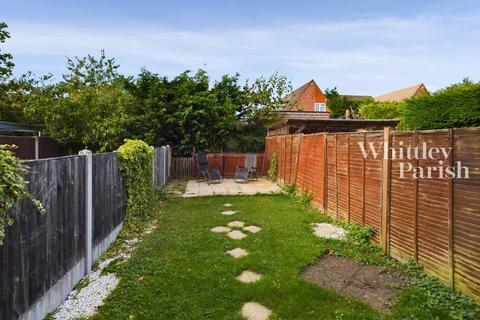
x,y
272,172
136,166
12,187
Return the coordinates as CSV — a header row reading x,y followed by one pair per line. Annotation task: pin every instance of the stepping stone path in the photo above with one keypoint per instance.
x,y
220,229
236,224
329,231
252,229
255,311
249,277
238,253
236,235
250,310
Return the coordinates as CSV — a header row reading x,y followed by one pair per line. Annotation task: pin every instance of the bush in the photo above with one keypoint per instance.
x,y
272,173
136,167
457,105
384,110
12,187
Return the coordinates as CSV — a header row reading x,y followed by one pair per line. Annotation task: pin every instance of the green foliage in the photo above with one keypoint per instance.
x,y
6,64
272,173
340,106
136,167
289,188
12,187
304,198
383,110
431,298
457,105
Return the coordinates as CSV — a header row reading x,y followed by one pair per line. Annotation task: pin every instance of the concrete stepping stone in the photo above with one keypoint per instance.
x,y
236,224
236,235
252,229
220,229
238,253
249,277
229,212
255,311
228,204
329,231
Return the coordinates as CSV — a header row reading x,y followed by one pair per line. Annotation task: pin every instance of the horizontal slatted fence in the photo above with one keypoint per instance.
x,y
435,221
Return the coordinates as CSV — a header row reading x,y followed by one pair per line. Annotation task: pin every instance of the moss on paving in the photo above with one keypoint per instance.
x,y
183,271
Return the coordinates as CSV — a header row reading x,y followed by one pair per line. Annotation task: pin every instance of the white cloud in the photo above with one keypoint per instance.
x,y
360,55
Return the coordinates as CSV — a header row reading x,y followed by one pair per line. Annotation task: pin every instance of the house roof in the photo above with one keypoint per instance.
x,y
295,95
401,95
18,127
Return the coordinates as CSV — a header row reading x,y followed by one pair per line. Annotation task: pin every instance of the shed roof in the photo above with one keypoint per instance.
x,y
18,127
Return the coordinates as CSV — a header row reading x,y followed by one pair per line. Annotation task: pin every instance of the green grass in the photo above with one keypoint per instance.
x,y
182,271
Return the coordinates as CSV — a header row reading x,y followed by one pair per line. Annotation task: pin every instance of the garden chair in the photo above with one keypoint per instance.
x,y
211,175
243,173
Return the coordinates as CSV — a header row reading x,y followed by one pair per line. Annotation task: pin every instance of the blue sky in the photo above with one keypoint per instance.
x,y
361,47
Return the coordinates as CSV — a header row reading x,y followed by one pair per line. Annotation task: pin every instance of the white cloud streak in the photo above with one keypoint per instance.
x,y
361,56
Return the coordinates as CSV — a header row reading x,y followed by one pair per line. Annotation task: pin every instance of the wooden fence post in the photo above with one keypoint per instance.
x,y
325,173
386,176
297,158
88,209
363,181
415,199
336,177
451,258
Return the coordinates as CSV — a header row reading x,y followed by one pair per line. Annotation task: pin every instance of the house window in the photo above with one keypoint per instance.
x,y
320,107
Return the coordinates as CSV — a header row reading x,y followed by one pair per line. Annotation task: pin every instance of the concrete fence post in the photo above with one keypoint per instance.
x,y
164,154
153,166
88,209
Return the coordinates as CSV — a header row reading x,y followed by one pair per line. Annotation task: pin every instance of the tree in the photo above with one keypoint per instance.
x,y
383,110
457,105
6,64
341,106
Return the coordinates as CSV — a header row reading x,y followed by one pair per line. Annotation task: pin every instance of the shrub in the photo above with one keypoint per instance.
x,y
12,187
457,105
384,110
136,167
272,172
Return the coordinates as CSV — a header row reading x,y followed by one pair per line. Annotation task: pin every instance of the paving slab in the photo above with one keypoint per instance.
x,y
329,231
255,311
236,235
227,204
229,213
230,187
248,276
252,229
220,229
236,224
238,253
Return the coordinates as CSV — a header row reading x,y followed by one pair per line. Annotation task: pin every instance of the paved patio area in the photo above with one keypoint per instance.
x,y
230,187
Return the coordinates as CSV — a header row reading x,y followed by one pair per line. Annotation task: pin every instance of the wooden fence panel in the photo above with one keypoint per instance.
x,y
332,195
466,212
182,167
403,205
39,249
356,179
109,197
342,166
433,195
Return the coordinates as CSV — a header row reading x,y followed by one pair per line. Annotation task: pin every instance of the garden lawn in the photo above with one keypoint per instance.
x,y
182,270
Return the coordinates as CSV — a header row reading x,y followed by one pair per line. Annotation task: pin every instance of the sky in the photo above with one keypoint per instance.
x,y
361,47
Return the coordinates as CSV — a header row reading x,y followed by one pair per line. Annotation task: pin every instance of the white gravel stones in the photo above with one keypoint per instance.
x,y
238,253
255,311
252,229
236,224
220,229
329,231
229,213
249,277
236,235
84,303
227,205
